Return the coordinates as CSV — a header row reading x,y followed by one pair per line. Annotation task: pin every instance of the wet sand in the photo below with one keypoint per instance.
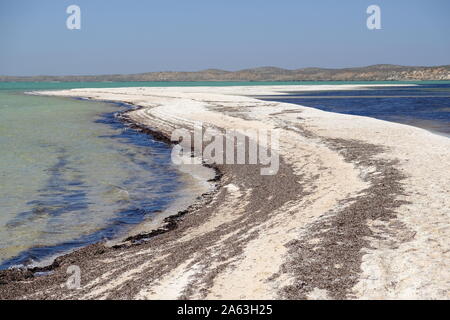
x,y
359,209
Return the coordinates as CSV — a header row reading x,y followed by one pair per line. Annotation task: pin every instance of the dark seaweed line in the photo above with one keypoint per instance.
x,y
334,264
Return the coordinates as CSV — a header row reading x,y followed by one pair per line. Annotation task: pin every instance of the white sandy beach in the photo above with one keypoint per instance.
x,y
402,255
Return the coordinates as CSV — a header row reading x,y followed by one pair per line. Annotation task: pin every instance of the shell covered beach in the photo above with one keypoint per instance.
x,y
358,209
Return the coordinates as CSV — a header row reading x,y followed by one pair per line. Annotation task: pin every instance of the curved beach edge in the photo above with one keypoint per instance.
x,y
199,183
358,209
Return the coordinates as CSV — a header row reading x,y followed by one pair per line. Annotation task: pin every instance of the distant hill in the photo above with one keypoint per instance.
x,y
379,72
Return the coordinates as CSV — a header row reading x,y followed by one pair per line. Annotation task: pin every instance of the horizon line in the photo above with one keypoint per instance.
x,y
228,71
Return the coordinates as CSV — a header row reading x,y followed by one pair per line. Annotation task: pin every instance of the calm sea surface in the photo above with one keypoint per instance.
x,y
426,105
71,174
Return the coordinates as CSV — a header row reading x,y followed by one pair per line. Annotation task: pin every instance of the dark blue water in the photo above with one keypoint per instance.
x,y
425,106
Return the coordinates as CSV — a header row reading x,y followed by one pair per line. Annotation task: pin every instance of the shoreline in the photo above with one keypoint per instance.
x,y
328,183
200,184
167,220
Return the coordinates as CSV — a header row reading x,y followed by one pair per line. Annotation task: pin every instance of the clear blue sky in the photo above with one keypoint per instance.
x,y
135,36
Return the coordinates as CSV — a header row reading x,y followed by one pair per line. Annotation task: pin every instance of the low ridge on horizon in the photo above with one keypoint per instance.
x,y
376,72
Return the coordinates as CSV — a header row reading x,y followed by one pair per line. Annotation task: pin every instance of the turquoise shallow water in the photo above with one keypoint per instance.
x,y
23,86
72,174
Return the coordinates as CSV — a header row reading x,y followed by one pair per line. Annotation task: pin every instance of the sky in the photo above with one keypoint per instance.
x,y
135,36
